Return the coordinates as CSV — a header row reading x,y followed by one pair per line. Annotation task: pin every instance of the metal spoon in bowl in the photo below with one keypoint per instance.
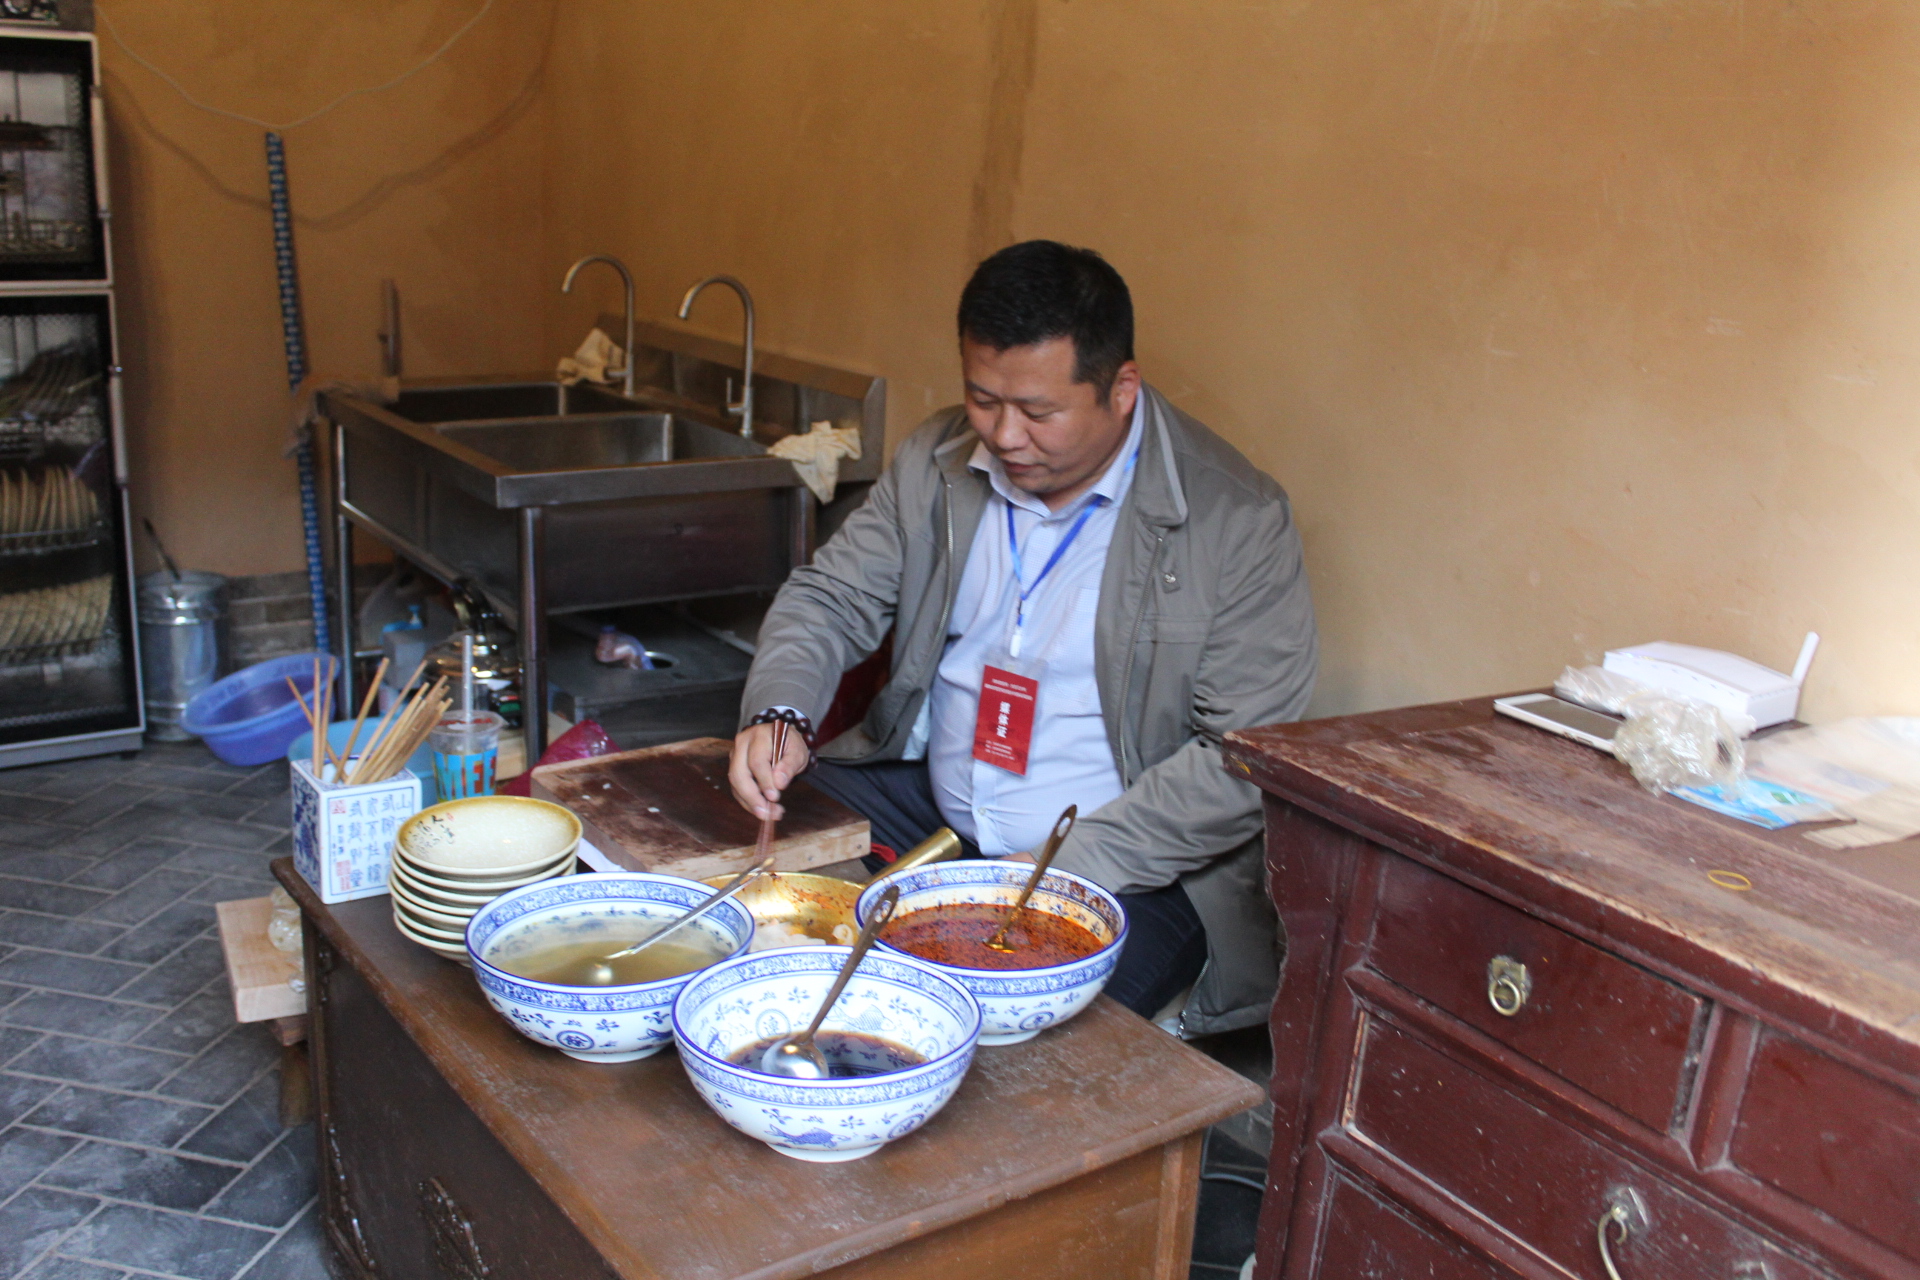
x,y
600,973
1060,829
798,1057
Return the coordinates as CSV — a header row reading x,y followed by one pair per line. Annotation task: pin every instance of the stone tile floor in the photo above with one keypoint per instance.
x,y
139,1126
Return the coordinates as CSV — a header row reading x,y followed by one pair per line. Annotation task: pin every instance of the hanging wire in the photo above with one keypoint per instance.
x,y
292,328
311,116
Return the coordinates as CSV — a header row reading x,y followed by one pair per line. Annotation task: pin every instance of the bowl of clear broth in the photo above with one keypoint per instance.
x,y
1065,943
897,1043
538,950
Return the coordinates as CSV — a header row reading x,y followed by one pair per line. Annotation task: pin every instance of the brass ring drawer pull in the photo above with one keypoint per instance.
x,y
1508,985
1625,1214
1612,1218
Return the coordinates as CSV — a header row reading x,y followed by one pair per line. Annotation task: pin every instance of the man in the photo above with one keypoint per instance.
x,y
1124,586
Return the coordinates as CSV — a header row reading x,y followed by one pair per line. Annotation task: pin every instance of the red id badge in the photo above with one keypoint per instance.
x,y
1004,731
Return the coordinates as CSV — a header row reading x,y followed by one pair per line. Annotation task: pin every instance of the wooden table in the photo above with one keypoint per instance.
x,y
450,1146
1529,1007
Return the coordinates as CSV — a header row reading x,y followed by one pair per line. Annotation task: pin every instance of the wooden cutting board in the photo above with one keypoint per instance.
x,y
670,810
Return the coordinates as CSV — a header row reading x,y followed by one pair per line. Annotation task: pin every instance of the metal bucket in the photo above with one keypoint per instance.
x,y
183,645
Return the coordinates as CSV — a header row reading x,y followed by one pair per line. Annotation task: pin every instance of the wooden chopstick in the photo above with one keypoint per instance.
x,y
366,705
381,763
312,727
425,716
422,712
765,840
326,721
318,737
380,729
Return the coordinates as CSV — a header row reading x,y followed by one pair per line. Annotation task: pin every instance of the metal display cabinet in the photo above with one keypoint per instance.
x,y
69,664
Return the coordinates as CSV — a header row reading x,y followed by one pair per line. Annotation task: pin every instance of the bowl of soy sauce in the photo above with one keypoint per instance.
x,y
898,1042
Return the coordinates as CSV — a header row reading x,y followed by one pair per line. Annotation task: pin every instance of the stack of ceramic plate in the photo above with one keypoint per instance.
x,y
456,857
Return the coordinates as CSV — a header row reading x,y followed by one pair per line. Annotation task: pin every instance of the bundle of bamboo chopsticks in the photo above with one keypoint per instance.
x,y
396,737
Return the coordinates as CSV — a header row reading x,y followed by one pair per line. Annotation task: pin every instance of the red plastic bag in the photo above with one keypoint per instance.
x,y
582,742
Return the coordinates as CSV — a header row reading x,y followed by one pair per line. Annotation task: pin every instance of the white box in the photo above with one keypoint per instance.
x,y
343,836
1720,679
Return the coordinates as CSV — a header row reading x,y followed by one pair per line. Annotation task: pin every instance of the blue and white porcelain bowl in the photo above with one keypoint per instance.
x,y
593,1024
749,999
1017,1004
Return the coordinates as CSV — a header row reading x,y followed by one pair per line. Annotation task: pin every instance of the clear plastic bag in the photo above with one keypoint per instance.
x,y
283,928
1667,742
1597,687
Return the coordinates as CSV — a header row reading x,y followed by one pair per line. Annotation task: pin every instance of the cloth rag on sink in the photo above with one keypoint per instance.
x,y
816,455
597,360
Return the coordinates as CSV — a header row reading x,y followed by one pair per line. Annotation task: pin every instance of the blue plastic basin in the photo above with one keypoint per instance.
x,y
251,716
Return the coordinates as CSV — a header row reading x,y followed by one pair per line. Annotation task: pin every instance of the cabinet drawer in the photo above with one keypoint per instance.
x,y
1533,1176
1366,1237
1595,1020
409,1169
1838,1140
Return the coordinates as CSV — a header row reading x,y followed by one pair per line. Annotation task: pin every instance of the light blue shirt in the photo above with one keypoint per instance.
x,y
1069,760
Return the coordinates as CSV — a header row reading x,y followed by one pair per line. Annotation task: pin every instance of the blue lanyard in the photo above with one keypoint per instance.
x,y
1013,544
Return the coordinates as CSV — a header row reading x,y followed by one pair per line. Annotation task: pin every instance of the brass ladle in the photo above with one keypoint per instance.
x,y
998,941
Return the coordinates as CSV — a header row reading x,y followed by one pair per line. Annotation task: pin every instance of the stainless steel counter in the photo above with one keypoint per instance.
x,y
552,499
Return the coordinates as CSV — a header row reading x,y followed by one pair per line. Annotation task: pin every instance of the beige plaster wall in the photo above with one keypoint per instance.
x,y
1566,325
824,152
435,183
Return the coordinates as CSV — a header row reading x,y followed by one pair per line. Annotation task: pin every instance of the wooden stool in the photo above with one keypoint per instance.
x,y
264,990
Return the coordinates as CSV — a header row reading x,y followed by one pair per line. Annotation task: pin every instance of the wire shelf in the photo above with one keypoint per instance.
x,y
41,541
34,655
46,184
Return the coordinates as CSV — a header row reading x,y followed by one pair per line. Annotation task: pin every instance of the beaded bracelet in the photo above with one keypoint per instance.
x,y
799,722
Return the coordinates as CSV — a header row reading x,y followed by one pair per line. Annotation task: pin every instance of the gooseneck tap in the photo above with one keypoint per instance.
x,y
744,409
626,280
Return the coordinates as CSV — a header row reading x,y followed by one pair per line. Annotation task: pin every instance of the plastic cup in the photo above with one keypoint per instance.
x,y
466,747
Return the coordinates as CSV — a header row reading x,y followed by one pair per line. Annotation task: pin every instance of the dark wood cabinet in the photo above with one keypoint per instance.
x,y
453,1148
1523,1031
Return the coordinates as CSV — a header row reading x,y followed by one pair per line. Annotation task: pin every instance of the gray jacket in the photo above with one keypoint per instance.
x,y
1204,626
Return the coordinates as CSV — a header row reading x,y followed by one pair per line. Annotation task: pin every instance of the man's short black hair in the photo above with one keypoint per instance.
x,y
1042,289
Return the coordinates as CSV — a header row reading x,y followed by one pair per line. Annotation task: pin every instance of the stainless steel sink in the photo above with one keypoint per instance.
x,y
504,400
545,445
552,499
618,448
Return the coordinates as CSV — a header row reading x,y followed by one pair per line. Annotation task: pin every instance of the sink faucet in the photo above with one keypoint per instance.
x,y
744,410
626,279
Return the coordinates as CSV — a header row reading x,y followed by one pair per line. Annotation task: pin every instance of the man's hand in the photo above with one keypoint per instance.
x,y
757,778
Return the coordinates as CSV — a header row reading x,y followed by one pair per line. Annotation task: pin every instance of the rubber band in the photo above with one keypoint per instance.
x,y
1730,880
